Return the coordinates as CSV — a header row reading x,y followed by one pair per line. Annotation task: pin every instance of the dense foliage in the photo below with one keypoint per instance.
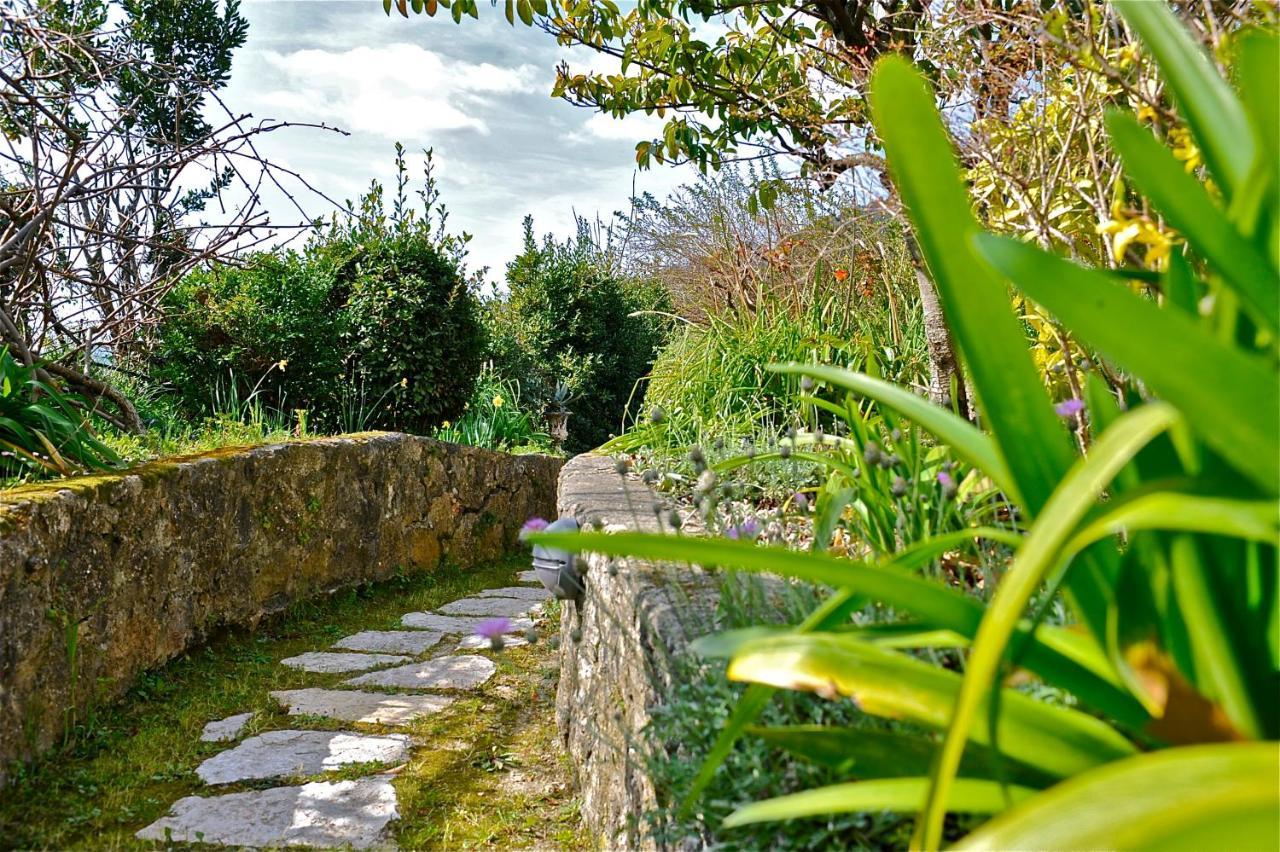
x,y
570,316
372,325
1156,545
44,428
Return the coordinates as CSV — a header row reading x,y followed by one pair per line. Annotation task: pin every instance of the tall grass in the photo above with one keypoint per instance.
x,y
712,379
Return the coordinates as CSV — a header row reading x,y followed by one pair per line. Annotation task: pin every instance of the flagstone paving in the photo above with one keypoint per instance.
x,y
370,708
465,672
454,625
350,813
521,592
491,607
281,754
224,730
335,662
324,814
390,641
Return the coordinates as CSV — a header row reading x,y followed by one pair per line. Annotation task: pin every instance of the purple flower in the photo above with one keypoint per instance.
x,y
948,484
493,628
748,529
533,525
1069,407
801,501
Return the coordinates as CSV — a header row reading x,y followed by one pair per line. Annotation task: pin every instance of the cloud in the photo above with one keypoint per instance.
x,y
396,91
632,128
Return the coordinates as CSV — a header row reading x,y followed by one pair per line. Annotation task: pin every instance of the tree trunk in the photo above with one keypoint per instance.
x,y
944,366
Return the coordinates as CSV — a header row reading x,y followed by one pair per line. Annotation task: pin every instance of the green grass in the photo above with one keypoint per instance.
x,y
131,761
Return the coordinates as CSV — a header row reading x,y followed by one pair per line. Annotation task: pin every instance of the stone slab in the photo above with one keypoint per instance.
x,y
529,576
523,593
490,607
480,643
327,814
331,662
372,708
412,642
226,729
456,625
277,754
466,671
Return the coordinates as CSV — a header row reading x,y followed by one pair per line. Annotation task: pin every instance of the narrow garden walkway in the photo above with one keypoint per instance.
x,y
397,676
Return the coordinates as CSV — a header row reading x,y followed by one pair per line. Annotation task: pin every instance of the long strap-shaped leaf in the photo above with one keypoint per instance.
x,y
1198,797
932,603
973,447
1010,393
1043,551
1212,111
833,610
1258,520
970,795
1012,397
1187,205
1055,740
1230,398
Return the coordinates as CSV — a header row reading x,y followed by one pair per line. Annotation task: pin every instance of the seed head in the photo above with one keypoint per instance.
x,y
899,487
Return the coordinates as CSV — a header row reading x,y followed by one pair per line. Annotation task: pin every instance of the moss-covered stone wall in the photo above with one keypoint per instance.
x,y
104,577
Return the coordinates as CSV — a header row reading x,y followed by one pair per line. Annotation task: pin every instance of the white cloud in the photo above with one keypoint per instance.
x,y
631,128
399,91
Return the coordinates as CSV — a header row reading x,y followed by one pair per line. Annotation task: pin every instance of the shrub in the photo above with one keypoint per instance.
x,y
412,323
275,324
372,325
570,316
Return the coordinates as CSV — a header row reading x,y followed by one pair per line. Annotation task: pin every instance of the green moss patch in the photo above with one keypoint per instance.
x,y
488,772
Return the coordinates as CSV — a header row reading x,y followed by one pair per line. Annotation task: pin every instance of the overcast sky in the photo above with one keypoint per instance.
x,y
479,94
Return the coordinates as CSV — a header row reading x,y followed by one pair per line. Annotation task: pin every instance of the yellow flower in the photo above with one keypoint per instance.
x,y
497,400
446,424
282,363
1147,113
404,383
1184,148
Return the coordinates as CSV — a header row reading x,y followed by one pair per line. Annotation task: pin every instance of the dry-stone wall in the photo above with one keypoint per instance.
x,y
617,650
103,577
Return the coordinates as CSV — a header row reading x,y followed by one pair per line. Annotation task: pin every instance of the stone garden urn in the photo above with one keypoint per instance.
x,y
557,569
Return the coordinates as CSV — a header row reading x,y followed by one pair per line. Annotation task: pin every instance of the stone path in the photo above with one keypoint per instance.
x,y
396,687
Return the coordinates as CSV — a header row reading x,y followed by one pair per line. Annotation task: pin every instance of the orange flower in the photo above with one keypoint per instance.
x,y
842,275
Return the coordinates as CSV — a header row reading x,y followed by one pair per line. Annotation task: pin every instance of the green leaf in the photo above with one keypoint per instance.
x,y
1258,68
1043,551
1210,107
1186,204
934,604
525,10
969,444
1193,798
1012,397
833,610
889,794
1231,399
867,753
1053,739
1258,520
